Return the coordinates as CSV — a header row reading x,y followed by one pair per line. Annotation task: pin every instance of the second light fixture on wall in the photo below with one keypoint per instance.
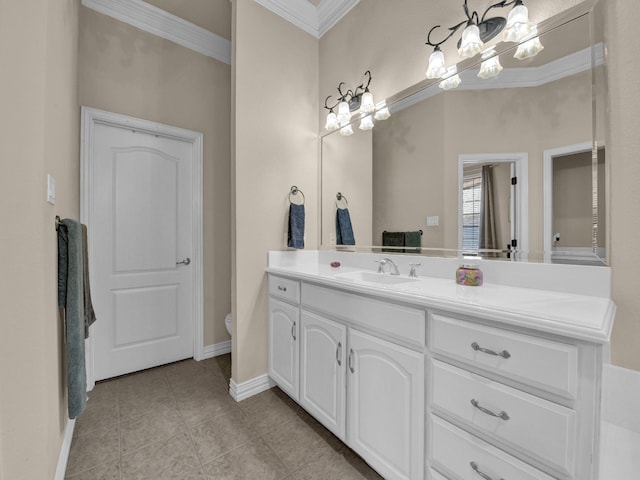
x,y
352,102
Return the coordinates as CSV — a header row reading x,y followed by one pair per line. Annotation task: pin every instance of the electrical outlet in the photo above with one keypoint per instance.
x,y
433,221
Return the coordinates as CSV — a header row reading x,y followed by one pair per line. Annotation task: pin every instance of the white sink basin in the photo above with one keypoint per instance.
x,y
375,278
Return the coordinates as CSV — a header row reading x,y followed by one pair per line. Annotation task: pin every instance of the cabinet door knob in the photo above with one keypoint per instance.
x,y
351,360
293,330
281,288
339,354
478,348
503,415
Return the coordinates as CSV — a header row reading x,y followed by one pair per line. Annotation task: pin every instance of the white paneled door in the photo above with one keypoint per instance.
x,y
141,217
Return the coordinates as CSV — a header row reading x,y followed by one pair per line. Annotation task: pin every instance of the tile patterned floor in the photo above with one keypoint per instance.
x,y
178,422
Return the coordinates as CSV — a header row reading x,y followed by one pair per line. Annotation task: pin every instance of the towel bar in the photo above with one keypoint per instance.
x,y
421,232
340,196
294,191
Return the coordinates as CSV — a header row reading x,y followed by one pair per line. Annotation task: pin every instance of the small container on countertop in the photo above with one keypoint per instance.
x,y
469,274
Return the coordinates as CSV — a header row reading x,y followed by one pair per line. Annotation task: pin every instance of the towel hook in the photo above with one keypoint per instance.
x,y
294,191
340,196
59,223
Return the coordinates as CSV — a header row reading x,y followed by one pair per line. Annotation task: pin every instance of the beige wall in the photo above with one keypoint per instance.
x,y
125,70
276,146
39,122
623,145
212,15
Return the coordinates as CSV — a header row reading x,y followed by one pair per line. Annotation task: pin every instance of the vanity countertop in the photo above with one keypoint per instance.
x,y
577,316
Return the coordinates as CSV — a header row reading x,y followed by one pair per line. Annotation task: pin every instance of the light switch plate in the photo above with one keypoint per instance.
x,y
433,221
51,190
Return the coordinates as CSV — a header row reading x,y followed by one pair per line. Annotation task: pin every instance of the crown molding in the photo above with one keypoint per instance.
x,y
315,21
300,13
154,20
331,12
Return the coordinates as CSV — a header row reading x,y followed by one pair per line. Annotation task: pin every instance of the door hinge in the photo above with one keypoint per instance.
x,y
514,243
514,180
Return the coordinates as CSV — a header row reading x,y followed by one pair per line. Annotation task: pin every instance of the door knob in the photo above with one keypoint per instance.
x,y
186,261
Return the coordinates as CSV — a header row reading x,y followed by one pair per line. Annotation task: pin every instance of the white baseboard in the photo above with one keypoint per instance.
x,y
65,448
244,390
214,350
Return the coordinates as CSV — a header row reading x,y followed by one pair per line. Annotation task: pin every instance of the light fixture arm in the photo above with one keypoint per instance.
x,y
327,107
504,3
453,30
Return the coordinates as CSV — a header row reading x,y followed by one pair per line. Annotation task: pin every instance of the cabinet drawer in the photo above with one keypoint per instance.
x,y
536,427
284,289
545,364
401,322
458,452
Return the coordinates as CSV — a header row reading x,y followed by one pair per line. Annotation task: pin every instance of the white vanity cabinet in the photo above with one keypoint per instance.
x,y
322,371
361,373
424,384
284,334
510,403
385,405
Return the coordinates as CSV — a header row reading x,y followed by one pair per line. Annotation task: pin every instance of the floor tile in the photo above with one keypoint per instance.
x,y
205,405
133,403
166,459
93,449
220,365
105,471
221,435
254,460
269,409
141,431
296,443
101,410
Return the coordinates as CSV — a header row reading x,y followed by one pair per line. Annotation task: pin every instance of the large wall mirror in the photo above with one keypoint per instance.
x,y
527,146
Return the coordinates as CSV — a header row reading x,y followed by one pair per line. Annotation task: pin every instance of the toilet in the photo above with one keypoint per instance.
x,y
228,322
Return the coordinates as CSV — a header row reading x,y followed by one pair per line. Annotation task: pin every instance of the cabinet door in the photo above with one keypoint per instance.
x,y
284,347
385,412
323,350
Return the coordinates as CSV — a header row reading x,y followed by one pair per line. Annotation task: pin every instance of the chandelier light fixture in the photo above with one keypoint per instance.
x,y
479,30
351,102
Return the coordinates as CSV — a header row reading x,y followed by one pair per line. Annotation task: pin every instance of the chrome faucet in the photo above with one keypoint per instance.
x,y
393,269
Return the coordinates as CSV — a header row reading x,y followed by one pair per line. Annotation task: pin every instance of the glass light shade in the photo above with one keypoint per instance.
x,y
491,66
366,121
471,44
452,79
332,121
518,24
436,67
382,111
367,105
529,48
344,114
346,131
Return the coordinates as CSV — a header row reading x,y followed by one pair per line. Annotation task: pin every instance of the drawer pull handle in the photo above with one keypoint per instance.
x,y
503,415
478,348
293,330
476,469
351,361
281,288
339,354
